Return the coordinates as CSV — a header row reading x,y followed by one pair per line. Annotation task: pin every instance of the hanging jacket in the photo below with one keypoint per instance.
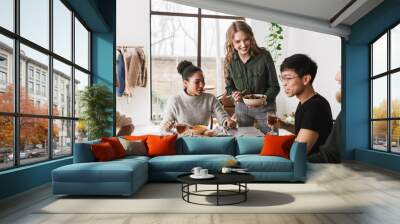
x,y
142,76
131,70
120,74
135,69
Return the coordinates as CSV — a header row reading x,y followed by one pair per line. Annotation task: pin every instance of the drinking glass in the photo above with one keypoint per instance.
x,y
272,119
173,127
180,128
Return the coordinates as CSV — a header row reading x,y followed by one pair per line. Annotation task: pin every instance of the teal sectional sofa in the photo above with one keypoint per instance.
x,y
125,176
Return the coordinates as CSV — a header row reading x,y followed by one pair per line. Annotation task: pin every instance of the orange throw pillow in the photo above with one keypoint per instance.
x,y
161,145
136,138
277,145
116,145
103,152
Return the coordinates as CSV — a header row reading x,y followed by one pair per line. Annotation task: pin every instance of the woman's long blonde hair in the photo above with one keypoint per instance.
x,y
230,50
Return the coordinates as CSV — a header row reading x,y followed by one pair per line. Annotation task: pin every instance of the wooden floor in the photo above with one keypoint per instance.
x,y
377,188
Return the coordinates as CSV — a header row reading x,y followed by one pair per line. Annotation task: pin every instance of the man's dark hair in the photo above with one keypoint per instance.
x,y
301,64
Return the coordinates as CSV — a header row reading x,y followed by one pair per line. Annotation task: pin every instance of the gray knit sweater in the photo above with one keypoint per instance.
x,y
193,110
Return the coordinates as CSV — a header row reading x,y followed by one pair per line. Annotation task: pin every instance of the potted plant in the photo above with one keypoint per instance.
x,y
96,103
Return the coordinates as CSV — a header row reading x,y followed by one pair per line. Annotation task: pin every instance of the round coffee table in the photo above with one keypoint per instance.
x,y
238,179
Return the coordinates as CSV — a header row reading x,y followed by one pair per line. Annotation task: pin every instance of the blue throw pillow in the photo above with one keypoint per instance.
x,y
249,145
83,153
206,145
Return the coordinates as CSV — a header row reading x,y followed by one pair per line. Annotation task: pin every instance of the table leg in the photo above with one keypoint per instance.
x,y
188,190
217,194
245,193
182,190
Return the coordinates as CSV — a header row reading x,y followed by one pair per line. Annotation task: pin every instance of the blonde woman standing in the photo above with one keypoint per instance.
x,y
249,69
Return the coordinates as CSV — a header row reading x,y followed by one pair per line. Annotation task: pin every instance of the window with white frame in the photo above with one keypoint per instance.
x,y
38,89
3,71
30,87
30,72
3,61
3,78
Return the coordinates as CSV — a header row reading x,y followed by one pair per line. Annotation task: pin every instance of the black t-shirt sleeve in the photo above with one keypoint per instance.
x,y
312,118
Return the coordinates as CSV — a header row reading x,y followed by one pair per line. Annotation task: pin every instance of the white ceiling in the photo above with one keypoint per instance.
x,y
321,9
315,15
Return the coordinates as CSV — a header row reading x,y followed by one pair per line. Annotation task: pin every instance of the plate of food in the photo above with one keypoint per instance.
x,y
199,129
254,99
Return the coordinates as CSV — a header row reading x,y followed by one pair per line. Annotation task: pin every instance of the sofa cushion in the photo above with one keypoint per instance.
x,y
134,147
275,145
103,152
257,163
93,172
130,158
206,145
161,145
249,145
185,163
83,152
117,146
136,137
112,171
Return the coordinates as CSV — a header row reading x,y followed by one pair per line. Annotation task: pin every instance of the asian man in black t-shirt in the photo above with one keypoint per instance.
x,y
313,118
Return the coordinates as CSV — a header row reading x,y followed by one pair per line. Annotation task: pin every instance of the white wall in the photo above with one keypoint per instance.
x,y
133,28
324,49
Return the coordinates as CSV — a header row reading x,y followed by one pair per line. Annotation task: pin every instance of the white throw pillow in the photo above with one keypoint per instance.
x,y
135,147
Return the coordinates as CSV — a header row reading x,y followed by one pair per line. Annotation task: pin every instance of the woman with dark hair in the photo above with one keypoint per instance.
x,y
193,106
249,69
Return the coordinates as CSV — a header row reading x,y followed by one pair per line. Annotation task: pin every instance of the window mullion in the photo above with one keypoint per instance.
x,y
50,82
73,81
371,140
16,83
199,38
150,63
89,68
389,106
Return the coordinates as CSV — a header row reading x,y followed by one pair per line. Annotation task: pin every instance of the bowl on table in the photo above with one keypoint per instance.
x,y
255,99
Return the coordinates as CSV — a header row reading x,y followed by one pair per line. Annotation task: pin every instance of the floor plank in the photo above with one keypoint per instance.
x,y
377,190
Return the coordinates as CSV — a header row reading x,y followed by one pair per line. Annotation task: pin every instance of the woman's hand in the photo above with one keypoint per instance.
x,y
168,125
230,123
237,96
277,123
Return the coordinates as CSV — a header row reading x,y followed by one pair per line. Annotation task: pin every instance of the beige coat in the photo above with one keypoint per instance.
x,y
135,69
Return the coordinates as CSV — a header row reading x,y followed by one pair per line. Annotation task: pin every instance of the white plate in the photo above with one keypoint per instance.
x,y
208,176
